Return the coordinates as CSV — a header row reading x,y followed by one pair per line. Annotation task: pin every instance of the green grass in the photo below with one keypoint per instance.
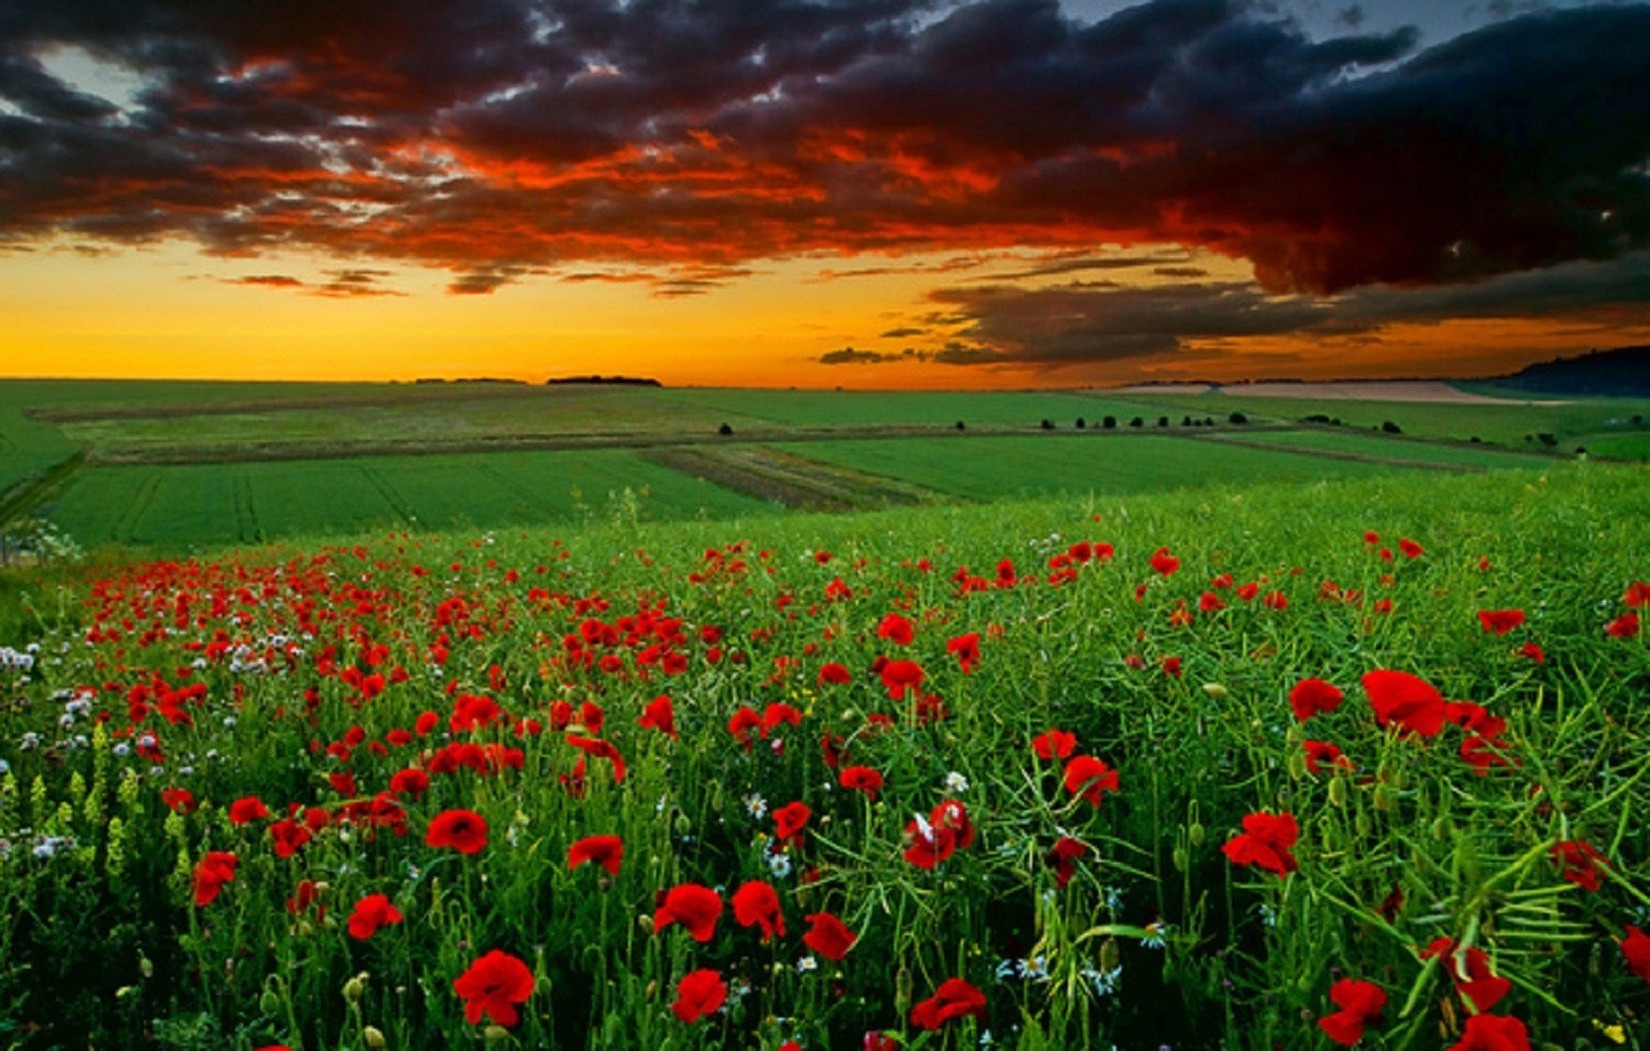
x,y
995,468
27,448
813,408
1382,447
180,506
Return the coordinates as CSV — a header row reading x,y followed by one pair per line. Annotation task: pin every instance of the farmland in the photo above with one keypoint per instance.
x,y
1189,768
170,466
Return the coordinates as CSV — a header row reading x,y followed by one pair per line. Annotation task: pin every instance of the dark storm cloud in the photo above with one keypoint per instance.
x,y
495,137
1054,327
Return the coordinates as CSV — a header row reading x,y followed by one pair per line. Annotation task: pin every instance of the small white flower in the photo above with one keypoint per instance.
x,y
756,806
779,865
956,783
807,965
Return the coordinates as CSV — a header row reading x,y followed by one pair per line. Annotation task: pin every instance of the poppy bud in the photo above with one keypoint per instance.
x,y
645,922
683,825
1110,957
1385,796
146,967
1441,828
1215,690
373,1038
269,1002
1180,858
1196,833
1296,765
1361,823
1337,791
652,988
356,988
496,1033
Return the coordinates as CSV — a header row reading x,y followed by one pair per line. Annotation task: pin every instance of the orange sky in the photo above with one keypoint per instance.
x,y
872,193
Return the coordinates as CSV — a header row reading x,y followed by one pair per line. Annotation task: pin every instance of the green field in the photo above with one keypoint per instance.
x,y
249,502
178,464
1017,467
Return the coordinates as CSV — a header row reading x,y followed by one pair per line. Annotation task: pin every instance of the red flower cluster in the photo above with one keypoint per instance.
x,y
1265,842
955,998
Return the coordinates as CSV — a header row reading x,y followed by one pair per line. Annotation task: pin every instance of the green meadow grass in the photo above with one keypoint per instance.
x,y
1383,447
1157,939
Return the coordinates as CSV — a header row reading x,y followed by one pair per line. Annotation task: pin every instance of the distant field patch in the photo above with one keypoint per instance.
x,y
995,468
795,481
1377,447
248,502
815,408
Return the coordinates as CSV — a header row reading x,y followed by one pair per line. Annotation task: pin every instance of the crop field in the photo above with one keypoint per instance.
x,y
1287,766
1018,467
175,466
249,502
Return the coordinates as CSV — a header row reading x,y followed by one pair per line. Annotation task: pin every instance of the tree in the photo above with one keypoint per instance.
x,y
1237,417
724,430
1048,425
1109,423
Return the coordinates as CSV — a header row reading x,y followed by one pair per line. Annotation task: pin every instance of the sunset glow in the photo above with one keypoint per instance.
x,y
864,193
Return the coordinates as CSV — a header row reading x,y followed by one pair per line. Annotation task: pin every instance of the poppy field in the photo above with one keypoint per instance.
x,y
1353,763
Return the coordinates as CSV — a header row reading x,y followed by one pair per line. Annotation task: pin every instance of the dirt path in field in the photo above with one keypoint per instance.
x,y
1430,391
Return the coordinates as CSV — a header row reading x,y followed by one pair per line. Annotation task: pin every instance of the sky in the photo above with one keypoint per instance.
x,y
817,193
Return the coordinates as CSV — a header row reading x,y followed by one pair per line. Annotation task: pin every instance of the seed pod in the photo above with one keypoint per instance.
x,y
496,1034
1215,690
1362,823
1196,833
373,1037
1110,956
269,1002
1296,765
1386,796
1180,858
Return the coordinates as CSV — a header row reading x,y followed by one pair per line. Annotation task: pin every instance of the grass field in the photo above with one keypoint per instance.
x,y
1385,448
1015,467
343,797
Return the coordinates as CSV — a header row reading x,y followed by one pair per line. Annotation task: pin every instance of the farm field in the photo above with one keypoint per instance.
x,y
170,466
1259,767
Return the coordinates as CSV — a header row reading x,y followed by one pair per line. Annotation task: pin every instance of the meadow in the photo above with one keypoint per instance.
x,y
1269,766
170,467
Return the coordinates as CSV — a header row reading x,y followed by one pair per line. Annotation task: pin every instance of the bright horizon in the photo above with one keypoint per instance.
x,y
868,195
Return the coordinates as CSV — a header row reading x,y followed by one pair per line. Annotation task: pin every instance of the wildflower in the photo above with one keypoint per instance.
x,y
1625,626
966,648
1054,744
1485,1032
1470,970
896,629
1636,948
1637,594
956,783
955,998
1265,842
831,939
1410,548
1500,621
246,810
372,912
863,779
789,821
1360,1003
901,677
1309,697
1089,778
1062,857
834,673
493,986
659,715
288,836
1163,562
1402,698
1319,753
211,873
693,906
698,994
1580,861
756,806
757,904
463,830
178,800
606,851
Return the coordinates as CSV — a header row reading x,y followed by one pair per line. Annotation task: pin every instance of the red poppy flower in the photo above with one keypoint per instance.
x,y
831,939
1410,548
493,986
779,712
1319,753
896,629
862,779
288,835
1533,652
789,821
1062,855
606,851
1360,1003
742,723
372,912
1089,777
1637,595
1265,842
1402,698
1471,973
246,810
1636,948
178,800
1500,621
693,906
699,993
1054,744
659,715
1311,696
966,648
955,998
877,1041
1625,626
1163,562
756,904
211,873
901,677
1580,862
463,830
601,750
834,673
1493,1033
